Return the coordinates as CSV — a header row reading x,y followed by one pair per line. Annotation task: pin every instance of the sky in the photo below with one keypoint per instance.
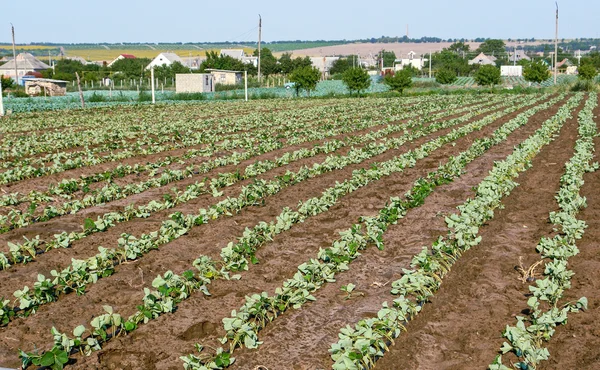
x,y
77,21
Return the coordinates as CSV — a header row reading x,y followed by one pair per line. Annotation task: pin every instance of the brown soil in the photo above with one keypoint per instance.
x,y
460,329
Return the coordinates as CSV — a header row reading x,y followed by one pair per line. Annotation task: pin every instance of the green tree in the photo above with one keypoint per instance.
x,y
301,62
536,72
587,72
459,48
6,82
305,78
492,47
488,75
268,62
447,59
445,76
356,79
399,81
340,66
286,64
389,57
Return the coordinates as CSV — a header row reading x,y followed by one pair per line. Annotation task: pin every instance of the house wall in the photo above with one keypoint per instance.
x,y
511,71
227,78
194,82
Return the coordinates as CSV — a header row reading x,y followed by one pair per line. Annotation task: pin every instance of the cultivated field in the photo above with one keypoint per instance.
x,y
409,233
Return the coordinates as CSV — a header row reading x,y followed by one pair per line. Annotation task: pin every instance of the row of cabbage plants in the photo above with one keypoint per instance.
x,y
81,273
360,346
173,288
527,337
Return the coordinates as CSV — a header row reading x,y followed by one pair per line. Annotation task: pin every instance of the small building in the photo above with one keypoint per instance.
x,y
563,65
323,64
194,83
511,71
164,59
120,57
25,63
225,77
483,59
410,60
514,57
45,87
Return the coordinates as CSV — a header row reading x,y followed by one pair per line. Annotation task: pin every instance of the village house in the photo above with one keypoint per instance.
x,y
26,63
410,60
483,59
164,59
120,57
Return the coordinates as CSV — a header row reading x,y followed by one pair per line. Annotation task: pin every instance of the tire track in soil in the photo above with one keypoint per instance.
x,y
198,318
576,345
461,328
59,258
305,335
124,289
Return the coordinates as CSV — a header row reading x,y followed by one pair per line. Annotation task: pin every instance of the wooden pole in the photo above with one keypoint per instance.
x,y
1,102
80,91
246,84
152,85
259,36
15,55
556,46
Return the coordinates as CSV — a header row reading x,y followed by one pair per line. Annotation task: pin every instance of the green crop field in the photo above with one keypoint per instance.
x,y
420,232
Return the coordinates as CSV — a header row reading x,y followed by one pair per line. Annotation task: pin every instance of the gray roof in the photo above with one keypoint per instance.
x,y
171,57
44,80
234,53
25,61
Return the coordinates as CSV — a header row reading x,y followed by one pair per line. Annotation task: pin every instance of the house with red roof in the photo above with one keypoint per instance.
x,y
122,56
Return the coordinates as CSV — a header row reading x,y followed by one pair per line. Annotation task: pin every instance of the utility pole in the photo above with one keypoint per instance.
x,y
556,46
259,36
15,55
1,103
152,85
429,63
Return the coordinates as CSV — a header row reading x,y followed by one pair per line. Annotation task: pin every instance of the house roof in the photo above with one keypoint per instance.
x,y
127,56
25,61
483,59
565,62
171,57
221,70
234,53
45,80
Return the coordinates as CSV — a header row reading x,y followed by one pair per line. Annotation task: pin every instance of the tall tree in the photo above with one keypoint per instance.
x,y
389,57
356,79
536,72
305,78
493,47
399,81
268,62
488,75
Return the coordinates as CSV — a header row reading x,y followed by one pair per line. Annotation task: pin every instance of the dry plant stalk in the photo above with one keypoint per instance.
x,y
529,274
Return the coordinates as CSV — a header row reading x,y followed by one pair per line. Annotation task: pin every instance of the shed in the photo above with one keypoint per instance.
x,y
225,77
45,86
194,82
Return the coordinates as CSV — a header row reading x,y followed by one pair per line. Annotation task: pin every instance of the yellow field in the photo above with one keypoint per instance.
x,y
104,54
26,47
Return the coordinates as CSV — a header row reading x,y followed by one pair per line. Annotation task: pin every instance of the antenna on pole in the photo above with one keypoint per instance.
x,y
556,46
259,36
15,55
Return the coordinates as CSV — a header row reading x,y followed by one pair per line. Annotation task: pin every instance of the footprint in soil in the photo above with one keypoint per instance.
x,y
200,329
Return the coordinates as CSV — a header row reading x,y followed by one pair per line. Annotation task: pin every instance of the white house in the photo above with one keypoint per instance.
x,y
323,64
483,59
120,57
25,63
511,71
240,55
164,59
410,60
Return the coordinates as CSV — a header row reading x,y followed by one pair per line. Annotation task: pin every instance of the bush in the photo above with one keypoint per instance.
x,y
356,79
97,98
445,76
488,75
400,81
188,96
